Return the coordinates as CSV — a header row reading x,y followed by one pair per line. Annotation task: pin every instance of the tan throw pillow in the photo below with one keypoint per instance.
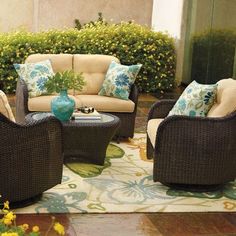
x,y
226,99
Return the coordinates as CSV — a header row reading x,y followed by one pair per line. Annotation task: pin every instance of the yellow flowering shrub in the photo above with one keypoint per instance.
x,y
8,226
131,43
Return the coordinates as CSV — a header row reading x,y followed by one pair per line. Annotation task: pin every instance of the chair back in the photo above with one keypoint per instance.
x,y
226,99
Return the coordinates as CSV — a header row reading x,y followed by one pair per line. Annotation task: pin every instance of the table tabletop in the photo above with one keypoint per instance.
x,y
105,118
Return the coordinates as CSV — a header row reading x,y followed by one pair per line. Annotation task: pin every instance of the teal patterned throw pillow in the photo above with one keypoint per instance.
x,y
118,80
35,75
196,100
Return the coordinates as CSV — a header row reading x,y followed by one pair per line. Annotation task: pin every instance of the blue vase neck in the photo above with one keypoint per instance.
x,y
63,93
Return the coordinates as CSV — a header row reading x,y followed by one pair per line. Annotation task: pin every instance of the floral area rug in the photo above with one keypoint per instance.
x,y
124,184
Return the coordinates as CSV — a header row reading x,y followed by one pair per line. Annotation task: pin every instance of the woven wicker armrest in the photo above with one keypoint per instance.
x,y
30,129
134,94
47,119
161,108
194,146
21,101
196,128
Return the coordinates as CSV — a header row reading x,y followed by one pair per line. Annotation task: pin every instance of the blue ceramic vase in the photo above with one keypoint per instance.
x,y
63,106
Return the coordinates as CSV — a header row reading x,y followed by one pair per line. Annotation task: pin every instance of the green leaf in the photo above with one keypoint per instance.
x,y
180,193
198,105
97,206
65,80
114,151
229,191
86,170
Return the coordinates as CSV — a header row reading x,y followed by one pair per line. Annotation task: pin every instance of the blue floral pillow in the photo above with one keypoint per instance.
x,y
196,100
118,80
35,75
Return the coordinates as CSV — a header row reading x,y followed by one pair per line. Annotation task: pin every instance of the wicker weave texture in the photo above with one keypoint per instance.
x,y
193,150
31,158
87,142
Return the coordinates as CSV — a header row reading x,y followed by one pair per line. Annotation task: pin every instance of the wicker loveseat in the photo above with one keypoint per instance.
x,y
94,68
196,153
31,157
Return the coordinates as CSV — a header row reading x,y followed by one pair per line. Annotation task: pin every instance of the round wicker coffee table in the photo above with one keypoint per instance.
x,y
85,140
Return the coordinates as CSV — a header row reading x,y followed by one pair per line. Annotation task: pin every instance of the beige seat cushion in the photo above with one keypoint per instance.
x,y
60,62
152,127
106,104
226,99
43,103
94,69
5,108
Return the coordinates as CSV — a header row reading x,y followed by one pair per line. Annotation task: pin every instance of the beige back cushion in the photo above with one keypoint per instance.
x,y
94,69
60,62
5,108
226,99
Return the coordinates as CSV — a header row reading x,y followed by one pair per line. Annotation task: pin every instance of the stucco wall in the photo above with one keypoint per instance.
x,y
59,13
15,14
46,14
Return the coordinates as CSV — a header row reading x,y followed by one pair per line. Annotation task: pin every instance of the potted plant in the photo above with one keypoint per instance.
x,y
63,106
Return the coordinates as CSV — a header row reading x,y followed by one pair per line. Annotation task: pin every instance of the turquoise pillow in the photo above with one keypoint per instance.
x,y
196,100
35,75
118,80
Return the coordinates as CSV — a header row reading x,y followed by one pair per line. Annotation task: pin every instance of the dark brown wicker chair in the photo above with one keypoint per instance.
x,y
193,153
125,130
31,159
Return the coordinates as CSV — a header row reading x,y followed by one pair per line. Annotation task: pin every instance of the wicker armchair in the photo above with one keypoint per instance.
x,y
31,159
192,153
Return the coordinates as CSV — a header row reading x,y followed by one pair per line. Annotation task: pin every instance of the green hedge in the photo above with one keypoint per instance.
x,y
213,55
130,42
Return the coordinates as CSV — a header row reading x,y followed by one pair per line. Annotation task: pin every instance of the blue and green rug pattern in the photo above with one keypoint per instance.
x,y
124,184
